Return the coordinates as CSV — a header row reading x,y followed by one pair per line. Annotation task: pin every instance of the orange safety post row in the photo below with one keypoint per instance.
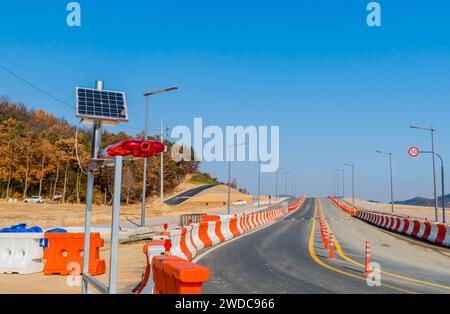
x,y
64,254
173,275
367,261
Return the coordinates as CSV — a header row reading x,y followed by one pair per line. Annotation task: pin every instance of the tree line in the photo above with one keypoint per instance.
x,y
38,157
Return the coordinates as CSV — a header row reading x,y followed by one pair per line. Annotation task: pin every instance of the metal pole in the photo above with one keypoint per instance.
x,y
353,183
392,186
337,183
144,178
229,181
115,225
96,141
434,177
259,182
285,186
162,165
276,184
87,229
443,192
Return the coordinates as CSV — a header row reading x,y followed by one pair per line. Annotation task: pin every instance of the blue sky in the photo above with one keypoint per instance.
x,y
338,89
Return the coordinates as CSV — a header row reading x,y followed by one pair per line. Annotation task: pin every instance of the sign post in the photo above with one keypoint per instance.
x,y
414,152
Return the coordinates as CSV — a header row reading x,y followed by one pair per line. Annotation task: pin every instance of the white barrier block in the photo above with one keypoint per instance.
x,y
212,232
21,253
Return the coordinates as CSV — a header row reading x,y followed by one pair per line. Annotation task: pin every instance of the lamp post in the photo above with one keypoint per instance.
x,y
276,182
431,130
353,180
392,187
343,182
293,179
259,182
286,182
335,178
229,174
442,183
144,179
337,184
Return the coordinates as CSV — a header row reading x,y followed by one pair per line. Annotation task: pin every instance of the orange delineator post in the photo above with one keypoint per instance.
x,y
367,261
173,275
326,239
67,248
331,246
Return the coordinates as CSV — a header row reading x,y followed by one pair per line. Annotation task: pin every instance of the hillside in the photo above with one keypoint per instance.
x,y
38,157
422,201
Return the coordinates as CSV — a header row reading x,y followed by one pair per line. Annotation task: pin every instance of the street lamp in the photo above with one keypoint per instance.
x,y
392,187
259,182
144,179
431,130
335,179
276,182
293,179
353,180
442,183
229,174
343,182
286,182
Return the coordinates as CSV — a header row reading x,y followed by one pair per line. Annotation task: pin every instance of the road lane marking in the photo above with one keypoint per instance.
x,y
313,255
348,259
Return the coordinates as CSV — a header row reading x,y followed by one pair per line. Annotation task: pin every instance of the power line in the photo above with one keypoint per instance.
x,y
51,96
35,87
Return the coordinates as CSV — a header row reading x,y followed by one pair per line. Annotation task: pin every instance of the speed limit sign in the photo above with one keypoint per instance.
x,y
413,152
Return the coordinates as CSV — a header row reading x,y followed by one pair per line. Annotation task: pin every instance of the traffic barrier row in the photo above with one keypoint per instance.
x,y
30,250
213,230
186,242
297,204
348,210
170,274
433,232
437,233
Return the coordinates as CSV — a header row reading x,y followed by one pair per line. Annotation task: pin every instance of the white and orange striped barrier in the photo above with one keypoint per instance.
x,y
187,241
433,232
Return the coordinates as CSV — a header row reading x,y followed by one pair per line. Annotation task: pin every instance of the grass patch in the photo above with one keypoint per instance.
x,y
203,178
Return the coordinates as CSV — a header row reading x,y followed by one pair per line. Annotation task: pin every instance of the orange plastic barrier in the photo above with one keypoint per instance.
x,y
234,227
173,275
64,254
206,218
203,234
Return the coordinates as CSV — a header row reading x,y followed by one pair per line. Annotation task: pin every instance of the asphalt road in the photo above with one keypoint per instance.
x,y
183,197
288,257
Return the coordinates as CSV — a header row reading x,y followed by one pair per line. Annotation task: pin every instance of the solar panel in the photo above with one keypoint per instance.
x,y
94,104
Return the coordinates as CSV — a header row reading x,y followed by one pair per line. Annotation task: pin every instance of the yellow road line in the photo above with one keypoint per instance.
x,y
313,255
342,255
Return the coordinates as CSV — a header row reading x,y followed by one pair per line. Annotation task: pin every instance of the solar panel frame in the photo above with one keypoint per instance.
x,y
105,105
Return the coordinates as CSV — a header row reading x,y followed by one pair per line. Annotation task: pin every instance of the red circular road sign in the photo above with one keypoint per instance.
x,y
414,152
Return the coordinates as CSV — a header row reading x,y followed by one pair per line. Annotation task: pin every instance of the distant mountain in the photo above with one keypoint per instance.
x,y
422,201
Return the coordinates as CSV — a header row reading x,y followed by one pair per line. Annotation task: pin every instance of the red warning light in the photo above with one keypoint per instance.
x,y
136,148
167,245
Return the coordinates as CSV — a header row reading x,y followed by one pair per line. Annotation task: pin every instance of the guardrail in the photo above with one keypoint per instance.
x,y
432,232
